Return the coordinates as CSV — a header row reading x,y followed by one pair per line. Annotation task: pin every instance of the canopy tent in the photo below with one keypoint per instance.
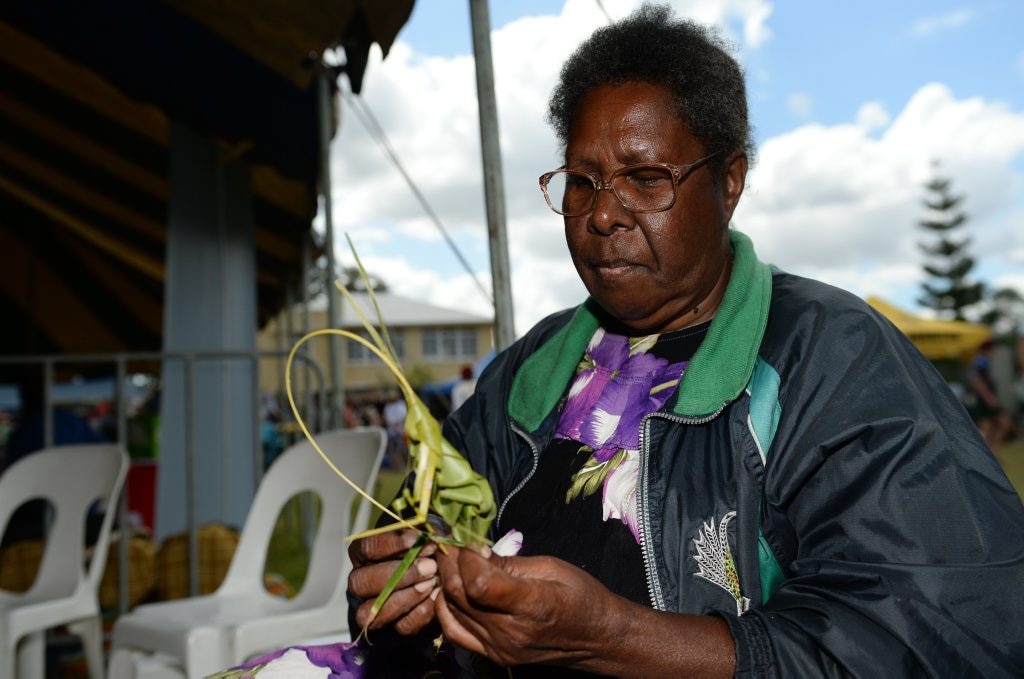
x,y
445,387
936,339
159,173
91,94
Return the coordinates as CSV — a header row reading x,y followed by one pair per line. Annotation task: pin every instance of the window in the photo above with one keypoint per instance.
x,y
358,353
467,344
430,346
447,344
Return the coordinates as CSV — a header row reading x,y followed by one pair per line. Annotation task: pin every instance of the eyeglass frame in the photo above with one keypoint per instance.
x,y
679,174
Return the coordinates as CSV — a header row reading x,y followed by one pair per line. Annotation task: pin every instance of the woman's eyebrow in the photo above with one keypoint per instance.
x,y
583,166
589,165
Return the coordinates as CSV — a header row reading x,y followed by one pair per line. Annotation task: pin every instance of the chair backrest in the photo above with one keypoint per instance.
x,y
72,478
358,453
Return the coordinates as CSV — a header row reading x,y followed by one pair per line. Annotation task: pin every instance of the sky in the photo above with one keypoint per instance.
x,y
853,104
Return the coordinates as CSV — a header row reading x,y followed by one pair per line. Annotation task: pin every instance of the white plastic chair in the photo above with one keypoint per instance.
x,y
206,634
71,478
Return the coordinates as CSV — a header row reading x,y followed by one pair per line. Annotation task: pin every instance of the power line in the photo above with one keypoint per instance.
x,y
606,15
369,121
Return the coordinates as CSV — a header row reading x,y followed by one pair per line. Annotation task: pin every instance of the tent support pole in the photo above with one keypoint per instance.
x,y
333,303
494,183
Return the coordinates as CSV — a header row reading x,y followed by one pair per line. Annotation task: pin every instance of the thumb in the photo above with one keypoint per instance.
x,y
530,567
491,583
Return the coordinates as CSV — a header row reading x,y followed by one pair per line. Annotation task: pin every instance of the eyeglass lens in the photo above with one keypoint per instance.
x,y
642,188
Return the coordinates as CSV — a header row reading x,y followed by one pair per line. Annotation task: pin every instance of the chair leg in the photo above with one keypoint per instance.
x,y
156,668
122,664
90,631
6,661
126,663
31,656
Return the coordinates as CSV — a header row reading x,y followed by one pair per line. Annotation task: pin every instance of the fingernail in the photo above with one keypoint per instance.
x,y
485,552
426,567
424,585
433,595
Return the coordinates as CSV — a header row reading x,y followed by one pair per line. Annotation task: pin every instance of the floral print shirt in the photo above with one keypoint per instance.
x,y
617,384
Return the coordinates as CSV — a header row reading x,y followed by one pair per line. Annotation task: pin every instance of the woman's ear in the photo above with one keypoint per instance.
x,y
735,181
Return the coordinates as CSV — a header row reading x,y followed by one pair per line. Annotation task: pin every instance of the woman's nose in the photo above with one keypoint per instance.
x,y
608,214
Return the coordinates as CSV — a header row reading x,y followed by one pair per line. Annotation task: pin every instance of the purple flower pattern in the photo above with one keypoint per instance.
x,y
617,384
342,660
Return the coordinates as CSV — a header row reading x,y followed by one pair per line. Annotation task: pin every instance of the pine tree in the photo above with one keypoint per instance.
x,y
349,276
948,289
1005,314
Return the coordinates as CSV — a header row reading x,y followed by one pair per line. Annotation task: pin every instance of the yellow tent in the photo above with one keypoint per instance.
x,y
936,339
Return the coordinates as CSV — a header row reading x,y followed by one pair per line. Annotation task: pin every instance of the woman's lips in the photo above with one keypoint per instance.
x,y
616,268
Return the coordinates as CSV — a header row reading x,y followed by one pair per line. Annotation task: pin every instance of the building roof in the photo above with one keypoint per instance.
x,y
401,312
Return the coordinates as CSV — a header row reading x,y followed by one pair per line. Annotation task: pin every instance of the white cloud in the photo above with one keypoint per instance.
x,y
872,116
837,202
800,104
941,22
1013,280
841,205
747,18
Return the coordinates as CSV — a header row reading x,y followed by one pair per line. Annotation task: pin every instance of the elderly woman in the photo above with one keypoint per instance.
x,y
717,468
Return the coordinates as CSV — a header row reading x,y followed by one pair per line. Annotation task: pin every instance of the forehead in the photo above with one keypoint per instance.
x,y
630,122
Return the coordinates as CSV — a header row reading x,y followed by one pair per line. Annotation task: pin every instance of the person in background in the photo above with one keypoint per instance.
x,y
394,423
992,420
350,416
28,436
463,389
29,521
1018,385
270,437
718,468
6,426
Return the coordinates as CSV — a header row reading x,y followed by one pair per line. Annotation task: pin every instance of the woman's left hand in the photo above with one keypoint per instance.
x,y
517,610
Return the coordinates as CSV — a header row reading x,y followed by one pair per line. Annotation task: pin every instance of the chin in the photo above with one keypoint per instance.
x,y
629,319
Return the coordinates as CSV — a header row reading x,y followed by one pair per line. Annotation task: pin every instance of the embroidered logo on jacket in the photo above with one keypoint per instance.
x,y
715,560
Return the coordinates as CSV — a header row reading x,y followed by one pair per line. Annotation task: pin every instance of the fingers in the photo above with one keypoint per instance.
x,y
470,579
453,629
412,590
516,609
384,546
410,609
375,560
421,615
368,581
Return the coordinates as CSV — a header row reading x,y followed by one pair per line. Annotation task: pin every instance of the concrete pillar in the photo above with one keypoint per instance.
x,y
209,305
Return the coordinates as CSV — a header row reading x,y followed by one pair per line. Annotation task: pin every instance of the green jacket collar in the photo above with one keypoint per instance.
x,y
715,376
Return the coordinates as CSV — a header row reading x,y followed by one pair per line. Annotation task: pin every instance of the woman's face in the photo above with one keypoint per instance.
x,y
657,271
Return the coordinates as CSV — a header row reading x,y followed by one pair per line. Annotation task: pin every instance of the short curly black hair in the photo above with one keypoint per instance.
x,y
691,60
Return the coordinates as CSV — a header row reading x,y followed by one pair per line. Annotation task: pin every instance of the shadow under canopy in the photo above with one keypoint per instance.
x,y
92,94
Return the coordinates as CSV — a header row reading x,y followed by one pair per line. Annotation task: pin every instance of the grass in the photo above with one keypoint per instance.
x,y
287,556
1011,456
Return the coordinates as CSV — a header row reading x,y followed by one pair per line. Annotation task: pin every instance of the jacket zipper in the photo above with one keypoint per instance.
x,y
536,462
647,546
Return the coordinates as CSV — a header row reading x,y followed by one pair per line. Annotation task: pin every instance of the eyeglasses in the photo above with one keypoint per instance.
x,y
645,187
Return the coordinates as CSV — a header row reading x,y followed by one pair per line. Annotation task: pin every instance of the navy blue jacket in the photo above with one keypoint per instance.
x,y
814,482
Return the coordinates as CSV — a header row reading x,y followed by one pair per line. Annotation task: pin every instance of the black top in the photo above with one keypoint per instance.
x,y
575,531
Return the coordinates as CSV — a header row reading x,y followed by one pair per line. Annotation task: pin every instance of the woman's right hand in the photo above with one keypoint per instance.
x,y
374,559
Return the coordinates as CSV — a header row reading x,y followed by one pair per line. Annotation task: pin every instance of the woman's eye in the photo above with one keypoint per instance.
x,y
645,178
